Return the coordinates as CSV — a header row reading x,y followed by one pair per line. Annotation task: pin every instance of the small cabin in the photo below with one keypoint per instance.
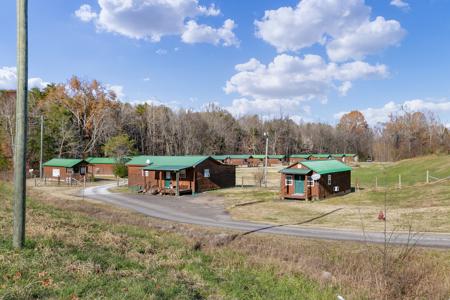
x,y
345,158
293,158
179,174
320,156
102,166
257,160
64,168
240,160
222,158
312,180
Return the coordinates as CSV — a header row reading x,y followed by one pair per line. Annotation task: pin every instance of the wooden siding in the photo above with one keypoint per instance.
x,y
101,169
64,172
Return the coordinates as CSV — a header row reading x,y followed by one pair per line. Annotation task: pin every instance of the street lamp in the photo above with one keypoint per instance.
x,y
266,135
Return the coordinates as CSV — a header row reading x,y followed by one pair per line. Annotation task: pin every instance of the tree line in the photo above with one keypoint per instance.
x,y
80,117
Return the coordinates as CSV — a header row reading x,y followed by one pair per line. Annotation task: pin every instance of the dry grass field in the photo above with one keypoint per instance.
x,y
81,250
424,207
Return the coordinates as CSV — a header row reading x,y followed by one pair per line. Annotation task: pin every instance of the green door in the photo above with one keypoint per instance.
x,y
167,180
299,184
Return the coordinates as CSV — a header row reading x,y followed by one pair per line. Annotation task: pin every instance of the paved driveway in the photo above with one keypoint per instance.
x,y
201,211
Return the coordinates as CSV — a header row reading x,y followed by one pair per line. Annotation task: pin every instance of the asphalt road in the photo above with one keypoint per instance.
x,y
187,209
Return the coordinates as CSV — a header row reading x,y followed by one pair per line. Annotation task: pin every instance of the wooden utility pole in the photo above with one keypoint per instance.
x,y
41,154
21,125
266,158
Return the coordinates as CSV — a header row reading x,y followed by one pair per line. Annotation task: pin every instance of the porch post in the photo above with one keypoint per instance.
x,y
193,182
177,177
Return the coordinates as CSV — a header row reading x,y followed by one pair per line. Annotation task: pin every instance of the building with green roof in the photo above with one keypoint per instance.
x,y
315,179
62,168
179,174
103,166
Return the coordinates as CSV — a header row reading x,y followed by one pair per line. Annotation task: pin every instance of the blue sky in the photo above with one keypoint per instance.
x,y
311,60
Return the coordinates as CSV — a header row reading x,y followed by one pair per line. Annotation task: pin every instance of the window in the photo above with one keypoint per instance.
x,y
329,179
310,182
183,174
168,175
145,173
288,180
83,170
206,173
69,171
56,173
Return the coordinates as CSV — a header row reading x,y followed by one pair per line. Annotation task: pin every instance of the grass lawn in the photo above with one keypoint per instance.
x,y
69,255
80,250
425,207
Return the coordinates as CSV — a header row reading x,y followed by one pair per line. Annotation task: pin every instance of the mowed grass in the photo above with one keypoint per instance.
x,y
71,255
426,207
413,171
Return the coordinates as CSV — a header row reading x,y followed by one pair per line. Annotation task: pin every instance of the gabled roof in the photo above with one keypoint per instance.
x,y
321,155
220,157
167,161
326,166
63,162
277,156
239,156
300,155
101,160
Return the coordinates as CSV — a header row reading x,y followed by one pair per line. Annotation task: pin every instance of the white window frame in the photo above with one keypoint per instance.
x,y
329,179
310,182
288,180
183,174
70,171
168,175
206,173
82,170
145,173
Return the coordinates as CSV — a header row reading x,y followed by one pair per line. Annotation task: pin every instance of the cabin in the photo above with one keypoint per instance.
x,y
345,158
222,158
64,168
320,156
103,166
276,159
257,160
240,160
315,179
177,175
293,158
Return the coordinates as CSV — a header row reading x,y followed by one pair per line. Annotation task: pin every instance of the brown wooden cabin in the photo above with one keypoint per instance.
x,y
103,166
63,168
320,156
346,158
241,160
179,174
293,158
312,180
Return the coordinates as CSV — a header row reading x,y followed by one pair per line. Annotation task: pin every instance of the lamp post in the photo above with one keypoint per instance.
x,y
266,135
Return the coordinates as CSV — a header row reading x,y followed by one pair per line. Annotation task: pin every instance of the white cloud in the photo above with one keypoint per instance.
x,y
152,19
344,88
370,37
334,24
400,4
161,51
117,89
8,79
85,13
195,33
382,114
296,78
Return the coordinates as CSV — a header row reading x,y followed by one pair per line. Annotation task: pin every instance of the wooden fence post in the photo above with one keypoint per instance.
x,y
428,176
242,182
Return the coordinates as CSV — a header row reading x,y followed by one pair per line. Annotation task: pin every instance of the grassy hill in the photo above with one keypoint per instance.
x,y
412,171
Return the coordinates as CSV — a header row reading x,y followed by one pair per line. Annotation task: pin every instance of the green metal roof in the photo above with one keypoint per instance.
x,y
319,155
220,157
167,160
276,156
101,160
166,168
295,171
338,155
300,155
350,155
326,166
239,156
63,162
259,156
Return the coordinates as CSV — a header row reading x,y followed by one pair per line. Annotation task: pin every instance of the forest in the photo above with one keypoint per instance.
x,y
81,116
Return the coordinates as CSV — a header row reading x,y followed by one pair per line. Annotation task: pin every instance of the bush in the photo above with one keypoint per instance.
x,y
120,170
